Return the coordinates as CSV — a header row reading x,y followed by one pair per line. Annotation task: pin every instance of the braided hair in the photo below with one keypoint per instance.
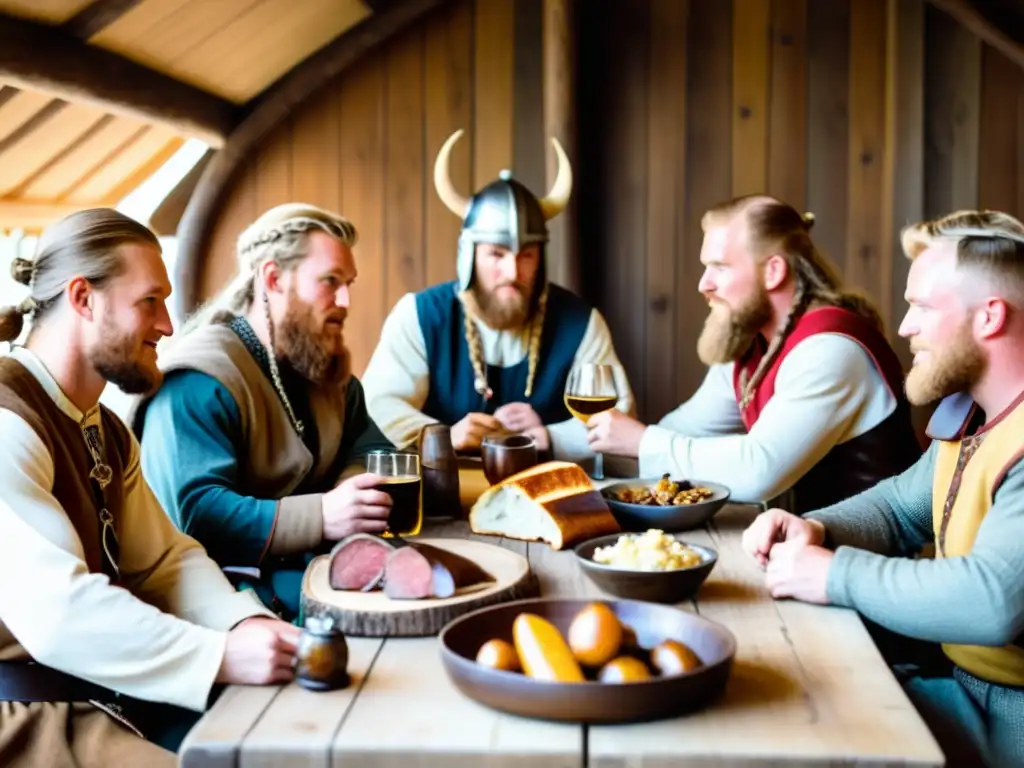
x,y
775,227
475,345
280,235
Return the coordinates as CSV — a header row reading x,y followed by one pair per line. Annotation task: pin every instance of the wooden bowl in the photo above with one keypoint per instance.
x,y
674,518
590,702
655,586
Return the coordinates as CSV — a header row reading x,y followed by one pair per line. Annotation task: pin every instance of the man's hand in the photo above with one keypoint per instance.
x,y
777,525
472,428
518,417
540,434
799,570
259,651
355,506
616,433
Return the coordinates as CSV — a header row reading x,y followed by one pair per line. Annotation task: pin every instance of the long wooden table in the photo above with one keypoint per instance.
x,y
808,686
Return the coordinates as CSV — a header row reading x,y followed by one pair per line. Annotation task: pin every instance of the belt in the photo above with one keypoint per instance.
x,y
31,681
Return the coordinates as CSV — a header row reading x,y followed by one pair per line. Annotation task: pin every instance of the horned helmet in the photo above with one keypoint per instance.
x,y
504,212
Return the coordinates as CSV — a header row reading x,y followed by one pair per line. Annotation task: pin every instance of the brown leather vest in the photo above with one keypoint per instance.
x,y
858,464
21,393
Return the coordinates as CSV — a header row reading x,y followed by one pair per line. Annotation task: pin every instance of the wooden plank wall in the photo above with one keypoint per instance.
x,y
365,146
870,113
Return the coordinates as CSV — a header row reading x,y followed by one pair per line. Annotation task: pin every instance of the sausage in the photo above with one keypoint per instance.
x,y
415,571
357,562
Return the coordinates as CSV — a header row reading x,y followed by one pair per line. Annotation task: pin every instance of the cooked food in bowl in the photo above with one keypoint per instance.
x,y
665,493
652,550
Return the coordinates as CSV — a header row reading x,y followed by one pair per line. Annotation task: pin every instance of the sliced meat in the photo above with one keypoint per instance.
x,y
357,561
416,571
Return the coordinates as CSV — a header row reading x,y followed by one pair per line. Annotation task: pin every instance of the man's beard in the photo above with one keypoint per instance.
x,y
502,314
728,333
314,351
115,358
954,366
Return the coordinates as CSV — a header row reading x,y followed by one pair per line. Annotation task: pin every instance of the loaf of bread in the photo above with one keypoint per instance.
x,y
553,502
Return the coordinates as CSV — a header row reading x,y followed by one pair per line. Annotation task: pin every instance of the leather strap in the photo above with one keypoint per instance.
x,y
30,681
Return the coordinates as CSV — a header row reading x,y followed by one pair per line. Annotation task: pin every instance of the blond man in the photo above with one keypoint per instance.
x,y
114,626
255,443
965,496
803,393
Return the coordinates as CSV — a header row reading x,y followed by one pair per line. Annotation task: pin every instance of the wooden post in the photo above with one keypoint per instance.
x,y
560,123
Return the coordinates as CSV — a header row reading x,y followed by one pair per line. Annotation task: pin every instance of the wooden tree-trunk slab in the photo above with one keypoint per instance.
x,y
374,614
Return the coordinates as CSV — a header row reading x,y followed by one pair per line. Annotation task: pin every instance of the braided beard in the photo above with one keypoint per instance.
x,y
954,366
313,349
728,333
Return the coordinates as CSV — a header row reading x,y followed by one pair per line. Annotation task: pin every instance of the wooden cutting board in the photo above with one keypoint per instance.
x,y
374,614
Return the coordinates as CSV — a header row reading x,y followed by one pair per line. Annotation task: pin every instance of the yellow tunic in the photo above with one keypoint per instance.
x,y
968,472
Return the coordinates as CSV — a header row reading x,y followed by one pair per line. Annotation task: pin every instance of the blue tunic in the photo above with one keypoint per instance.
x,y
193,459
452,396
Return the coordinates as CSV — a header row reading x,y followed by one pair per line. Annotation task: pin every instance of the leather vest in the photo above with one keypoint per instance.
x,y
858,464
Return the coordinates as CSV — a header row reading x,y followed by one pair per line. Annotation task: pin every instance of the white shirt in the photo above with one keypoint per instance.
x,y
76,621
397,378
827,391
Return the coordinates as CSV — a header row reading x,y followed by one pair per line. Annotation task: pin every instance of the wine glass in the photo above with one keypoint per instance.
x,y
590,390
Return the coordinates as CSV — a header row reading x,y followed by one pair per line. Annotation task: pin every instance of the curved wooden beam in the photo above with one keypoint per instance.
x,y
267,111
49,59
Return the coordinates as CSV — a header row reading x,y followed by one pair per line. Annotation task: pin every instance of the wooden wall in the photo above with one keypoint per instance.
x,y
365,146
870,113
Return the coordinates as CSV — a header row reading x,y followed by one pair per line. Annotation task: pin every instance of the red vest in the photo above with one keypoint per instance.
x,y
823,320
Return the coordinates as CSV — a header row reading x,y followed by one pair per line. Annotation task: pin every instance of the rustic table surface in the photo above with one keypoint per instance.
x,y
808,686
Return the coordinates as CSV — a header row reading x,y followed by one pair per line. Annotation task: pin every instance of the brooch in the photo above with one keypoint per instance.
x,y
102,474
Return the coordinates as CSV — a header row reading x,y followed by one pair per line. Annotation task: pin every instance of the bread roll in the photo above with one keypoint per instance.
x,y
553,502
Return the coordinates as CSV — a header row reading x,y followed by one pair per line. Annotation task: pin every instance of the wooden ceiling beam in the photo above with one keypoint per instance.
x,y
49,59
97,16
263,114
976,22
32,217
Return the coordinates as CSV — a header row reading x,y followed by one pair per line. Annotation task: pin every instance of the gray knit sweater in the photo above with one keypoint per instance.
x,y
973,600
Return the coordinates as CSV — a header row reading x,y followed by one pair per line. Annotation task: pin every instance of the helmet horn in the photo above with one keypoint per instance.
x,y
455,202
558,198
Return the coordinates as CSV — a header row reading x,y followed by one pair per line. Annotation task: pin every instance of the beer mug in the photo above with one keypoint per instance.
x,y
400,478
507,455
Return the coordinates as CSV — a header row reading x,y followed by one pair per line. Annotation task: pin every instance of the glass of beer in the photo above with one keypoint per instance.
x,y
590,390
401,479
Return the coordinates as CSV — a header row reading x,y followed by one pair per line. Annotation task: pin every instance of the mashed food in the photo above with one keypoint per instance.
x,y
652,550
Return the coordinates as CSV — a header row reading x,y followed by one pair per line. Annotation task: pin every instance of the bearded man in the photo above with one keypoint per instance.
x,y
491,351
115,628
256,440
965,496
803,394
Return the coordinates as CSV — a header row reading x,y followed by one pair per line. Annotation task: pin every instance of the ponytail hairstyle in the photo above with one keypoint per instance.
x,y
775,228
83,244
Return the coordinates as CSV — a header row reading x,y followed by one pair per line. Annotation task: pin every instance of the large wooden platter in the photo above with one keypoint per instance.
x,y
374,614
